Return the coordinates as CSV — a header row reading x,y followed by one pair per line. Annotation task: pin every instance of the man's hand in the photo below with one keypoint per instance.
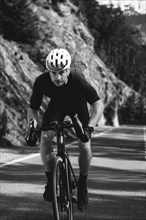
x,y
88,130
31,137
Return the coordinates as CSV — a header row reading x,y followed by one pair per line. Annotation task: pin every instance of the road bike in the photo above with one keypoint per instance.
x,y
64,181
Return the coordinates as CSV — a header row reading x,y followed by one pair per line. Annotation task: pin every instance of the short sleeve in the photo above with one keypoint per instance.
x,y
87,90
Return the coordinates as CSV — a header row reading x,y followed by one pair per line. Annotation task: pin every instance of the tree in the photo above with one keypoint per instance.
x,y
117,43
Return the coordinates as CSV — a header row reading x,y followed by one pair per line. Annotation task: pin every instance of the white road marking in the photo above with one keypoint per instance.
x,y
37,154
19,160
130,193
144,128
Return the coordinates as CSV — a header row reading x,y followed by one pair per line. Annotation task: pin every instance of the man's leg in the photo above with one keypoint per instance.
x,y
46,150
85,156
47,156
46,142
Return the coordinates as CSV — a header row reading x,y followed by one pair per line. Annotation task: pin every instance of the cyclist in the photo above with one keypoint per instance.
x,y
69,93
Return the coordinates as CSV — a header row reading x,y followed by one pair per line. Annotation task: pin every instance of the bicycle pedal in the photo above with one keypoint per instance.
x,y
74,200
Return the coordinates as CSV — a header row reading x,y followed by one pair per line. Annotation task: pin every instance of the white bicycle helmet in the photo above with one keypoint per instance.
x,y
58,59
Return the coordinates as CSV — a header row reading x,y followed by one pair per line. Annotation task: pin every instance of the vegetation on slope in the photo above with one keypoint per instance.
x,y
18,22
118,44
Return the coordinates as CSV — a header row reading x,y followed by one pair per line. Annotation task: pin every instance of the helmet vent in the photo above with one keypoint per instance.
x,y
56,62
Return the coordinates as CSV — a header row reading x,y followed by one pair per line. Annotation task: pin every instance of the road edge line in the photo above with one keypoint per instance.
x,y
18,160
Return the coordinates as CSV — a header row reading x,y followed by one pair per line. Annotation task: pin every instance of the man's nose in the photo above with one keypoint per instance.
x,y
58,76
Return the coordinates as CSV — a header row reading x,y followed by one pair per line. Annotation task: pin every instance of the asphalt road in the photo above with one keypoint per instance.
x,y
117,180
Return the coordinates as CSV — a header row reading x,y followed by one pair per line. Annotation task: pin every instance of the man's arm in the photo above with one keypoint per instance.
x,y
96,113
32,114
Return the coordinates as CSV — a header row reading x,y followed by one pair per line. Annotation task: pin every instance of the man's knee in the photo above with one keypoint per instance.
x,y
47,137
85,148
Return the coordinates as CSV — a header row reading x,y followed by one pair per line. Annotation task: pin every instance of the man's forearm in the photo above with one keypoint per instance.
x,y
32,114
96,113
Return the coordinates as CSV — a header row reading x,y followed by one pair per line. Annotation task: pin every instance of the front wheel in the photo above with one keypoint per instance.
x,y
62,202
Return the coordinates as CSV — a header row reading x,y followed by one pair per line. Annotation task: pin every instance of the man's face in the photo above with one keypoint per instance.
x,y
60,77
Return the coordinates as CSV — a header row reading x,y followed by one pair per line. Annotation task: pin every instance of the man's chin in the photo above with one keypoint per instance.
x,y
58,84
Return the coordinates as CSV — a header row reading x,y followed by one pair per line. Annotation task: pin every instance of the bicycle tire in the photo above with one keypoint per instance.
x,y
69,189
62,202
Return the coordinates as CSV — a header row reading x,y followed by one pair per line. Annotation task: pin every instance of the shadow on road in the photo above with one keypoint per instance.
x,y
120,144
22,186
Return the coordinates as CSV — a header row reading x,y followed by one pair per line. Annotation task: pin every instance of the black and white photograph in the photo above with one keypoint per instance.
x,y
73,109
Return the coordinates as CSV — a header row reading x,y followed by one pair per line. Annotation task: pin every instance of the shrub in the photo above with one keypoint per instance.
x,y
17,21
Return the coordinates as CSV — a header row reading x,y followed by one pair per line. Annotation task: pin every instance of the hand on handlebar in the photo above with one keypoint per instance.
x,y
31,137
88,130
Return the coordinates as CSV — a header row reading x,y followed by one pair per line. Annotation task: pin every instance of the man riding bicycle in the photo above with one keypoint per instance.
x,y
69,93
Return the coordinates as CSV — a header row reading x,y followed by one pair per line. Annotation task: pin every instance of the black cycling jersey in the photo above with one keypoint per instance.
x,y
74,92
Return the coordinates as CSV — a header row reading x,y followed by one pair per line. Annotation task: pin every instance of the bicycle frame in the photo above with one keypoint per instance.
x,y
68,190
61,151
62,164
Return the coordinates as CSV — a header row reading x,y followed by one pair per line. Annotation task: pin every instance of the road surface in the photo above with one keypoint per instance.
x,y
117,181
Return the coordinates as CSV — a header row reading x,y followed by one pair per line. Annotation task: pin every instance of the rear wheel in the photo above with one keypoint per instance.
x,y
62,202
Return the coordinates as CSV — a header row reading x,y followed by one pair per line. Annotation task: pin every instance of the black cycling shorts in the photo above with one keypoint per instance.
x,y
56,112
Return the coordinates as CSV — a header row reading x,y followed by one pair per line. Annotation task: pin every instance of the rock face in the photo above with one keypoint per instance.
x,y
17,73
20,65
